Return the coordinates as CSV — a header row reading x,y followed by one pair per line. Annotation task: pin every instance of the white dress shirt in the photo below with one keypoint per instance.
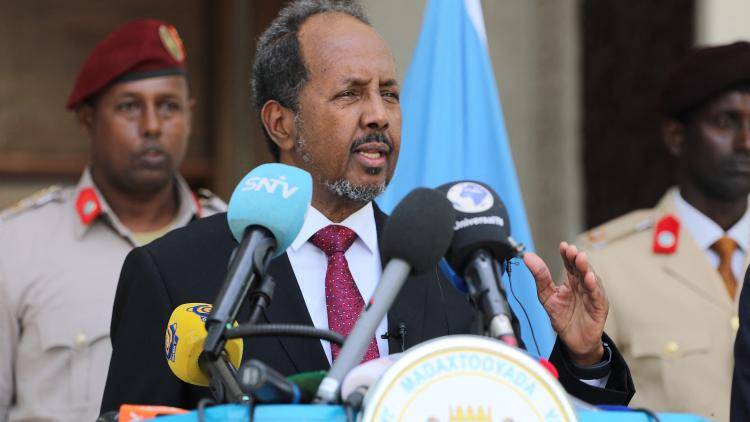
x,y
706,232
310,264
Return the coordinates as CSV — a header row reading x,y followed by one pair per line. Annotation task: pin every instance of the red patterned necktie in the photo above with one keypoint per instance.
x,y
343,301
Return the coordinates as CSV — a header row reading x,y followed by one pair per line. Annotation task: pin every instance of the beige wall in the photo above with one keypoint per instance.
x,y
722,21
534,50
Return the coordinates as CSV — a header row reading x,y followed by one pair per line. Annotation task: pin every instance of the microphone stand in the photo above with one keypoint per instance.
x,y
249,264
224,384
493,309
260,298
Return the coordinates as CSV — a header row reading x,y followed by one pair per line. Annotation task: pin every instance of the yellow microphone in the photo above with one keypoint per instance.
x,y
183,343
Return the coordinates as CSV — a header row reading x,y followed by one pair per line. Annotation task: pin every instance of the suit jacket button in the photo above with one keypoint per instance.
x,y
735,323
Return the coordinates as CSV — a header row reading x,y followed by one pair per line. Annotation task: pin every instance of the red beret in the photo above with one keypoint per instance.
x,y
139,49
704,73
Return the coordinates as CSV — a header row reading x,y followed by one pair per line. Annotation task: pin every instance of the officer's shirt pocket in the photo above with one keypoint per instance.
x,y
670,359
79,348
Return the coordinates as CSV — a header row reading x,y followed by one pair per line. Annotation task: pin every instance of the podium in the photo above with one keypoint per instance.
x,y
460,378
321,413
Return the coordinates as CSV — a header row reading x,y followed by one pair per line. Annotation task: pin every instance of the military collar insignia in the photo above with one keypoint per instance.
x,y
88,206
666,235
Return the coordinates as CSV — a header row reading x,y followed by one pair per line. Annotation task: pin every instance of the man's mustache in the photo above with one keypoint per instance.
x,y
373,137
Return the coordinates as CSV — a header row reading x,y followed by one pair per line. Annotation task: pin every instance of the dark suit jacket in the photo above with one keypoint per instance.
x,y
740,402
189,265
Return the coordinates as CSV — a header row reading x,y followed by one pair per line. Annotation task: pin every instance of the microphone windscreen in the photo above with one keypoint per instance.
x,y
183,343
308,384
274,196
367,374
420,229
482,222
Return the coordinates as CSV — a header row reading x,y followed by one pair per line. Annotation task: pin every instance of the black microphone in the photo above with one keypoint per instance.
x,y
267,385
415,238
481,243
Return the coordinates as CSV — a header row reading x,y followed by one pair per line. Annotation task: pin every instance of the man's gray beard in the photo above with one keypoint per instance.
x,y
341,187
352,192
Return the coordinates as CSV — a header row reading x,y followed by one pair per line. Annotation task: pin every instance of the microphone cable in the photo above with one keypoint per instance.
x,y
201,409
268,330
508,263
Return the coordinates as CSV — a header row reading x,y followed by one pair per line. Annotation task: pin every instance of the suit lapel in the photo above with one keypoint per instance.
x,y
288,307
408,309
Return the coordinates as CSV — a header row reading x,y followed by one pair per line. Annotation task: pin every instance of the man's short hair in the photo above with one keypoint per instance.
x,y
279,72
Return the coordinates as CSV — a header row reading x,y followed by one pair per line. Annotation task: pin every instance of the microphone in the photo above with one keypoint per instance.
x,y
137,412
183,343
268,385
481,242
308,381
415,237
365,375
265,214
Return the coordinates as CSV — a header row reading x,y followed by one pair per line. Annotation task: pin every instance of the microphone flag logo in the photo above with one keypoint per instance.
x,y
203,311
469,197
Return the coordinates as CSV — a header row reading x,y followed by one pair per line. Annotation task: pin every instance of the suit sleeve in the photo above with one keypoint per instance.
x,y
138,371
740,401
619,389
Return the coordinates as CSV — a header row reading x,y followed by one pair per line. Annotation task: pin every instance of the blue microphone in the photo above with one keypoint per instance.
x,y
266,212
275,197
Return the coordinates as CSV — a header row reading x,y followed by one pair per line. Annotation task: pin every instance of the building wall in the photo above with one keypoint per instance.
x,y
722,21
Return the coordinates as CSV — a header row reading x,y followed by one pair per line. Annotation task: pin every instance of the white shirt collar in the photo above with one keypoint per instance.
x,y
361,222
705,231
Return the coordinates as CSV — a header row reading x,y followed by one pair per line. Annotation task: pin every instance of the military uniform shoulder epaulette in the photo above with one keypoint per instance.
x,y
43,197
617,229
209,202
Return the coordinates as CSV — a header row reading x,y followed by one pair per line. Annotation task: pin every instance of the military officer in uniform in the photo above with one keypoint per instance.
x,y
61,250
673,272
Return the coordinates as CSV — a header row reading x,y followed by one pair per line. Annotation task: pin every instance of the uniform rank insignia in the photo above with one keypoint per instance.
x,y
666,235
88,206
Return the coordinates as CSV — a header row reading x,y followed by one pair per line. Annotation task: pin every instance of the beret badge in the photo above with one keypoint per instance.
x,y
172,42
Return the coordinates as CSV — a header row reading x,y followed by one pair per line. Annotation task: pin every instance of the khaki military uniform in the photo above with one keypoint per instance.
x,y
60,257
670,313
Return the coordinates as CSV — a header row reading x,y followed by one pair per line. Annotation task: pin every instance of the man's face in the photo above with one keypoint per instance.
x,y
717,146
348,129
139,132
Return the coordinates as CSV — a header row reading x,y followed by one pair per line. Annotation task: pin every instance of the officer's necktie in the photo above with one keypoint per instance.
x,y
344,303
725,247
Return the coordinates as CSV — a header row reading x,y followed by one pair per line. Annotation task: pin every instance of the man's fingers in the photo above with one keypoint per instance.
x,y
564,255
541,274
594,290
582,263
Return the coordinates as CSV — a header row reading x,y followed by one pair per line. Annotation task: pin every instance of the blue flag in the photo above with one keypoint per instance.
x,y
453,129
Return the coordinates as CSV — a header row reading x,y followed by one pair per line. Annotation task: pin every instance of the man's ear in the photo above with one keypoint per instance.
x,y
279,123
673,133
85,117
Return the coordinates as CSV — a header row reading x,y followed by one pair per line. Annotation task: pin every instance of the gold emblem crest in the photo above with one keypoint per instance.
x,y
469,415
172,42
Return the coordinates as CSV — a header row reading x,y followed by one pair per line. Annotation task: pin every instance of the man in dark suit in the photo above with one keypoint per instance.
x,y
336,114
